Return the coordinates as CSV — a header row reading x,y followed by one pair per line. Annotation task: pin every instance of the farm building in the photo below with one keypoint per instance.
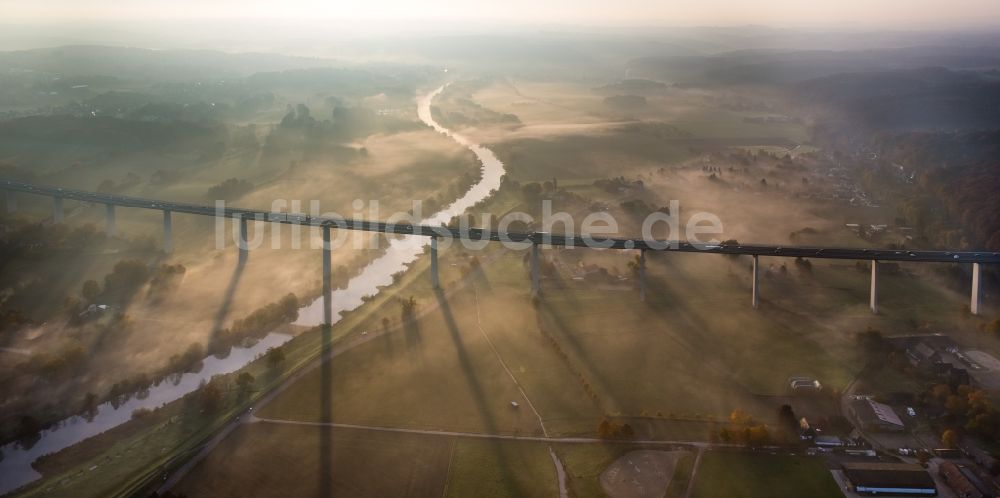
x,y
964,481
875,416
879,478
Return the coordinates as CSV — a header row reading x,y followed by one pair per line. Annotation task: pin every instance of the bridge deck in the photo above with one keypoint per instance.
x,y
479,234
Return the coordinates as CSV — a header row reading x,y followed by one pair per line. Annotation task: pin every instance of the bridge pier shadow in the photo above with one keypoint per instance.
x,y
325,470
479,397
227,301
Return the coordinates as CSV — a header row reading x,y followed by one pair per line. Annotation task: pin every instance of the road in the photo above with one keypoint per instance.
x,y
560,470
497,437
694,473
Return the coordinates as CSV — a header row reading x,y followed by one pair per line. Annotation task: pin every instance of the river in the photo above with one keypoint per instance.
x,y
403,251
15,468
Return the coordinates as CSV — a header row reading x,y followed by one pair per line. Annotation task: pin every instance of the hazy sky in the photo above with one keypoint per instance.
x,y
895,13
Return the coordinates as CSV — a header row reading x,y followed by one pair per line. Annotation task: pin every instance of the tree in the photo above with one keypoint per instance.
x,y
949,438
531,191
210,397
872,343
275,356
91,289
244,381
634,265
758,435
804,265
994,327
730,243
126,277
604,430
408,307
231,189
28,428
788,419
956,405
89,403
608,429
740,417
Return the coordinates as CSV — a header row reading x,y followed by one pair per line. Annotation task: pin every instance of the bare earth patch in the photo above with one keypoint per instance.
x,y
640,474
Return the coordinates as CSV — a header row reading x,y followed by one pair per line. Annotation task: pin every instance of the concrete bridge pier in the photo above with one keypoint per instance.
x,y
873,295
642,275
109,226
435,281
535,284
244,247
57,210
168,233
11,201
327,297
977,289
756,281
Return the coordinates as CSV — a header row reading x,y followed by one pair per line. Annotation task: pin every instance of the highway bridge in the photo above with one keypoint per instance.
x,y
535,239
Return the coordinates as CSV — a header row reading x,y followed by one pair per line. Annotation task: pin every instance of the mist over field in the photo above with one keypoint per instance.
x,y
824,177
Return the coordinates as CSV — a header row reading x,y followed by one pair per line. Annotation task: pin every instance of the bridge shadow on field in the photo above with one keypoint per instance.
x,y
325,471
551,322
468,371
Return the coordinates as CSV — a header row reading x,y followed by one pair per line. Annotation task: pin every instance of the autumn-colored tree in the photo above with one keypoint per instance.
x,y
949,438
758,435
740,417
604,429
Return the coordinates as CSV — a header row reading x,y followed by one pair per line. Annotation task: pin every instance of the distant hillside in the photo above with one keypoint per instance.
x,y
41,143
957,173
933,98
789,67
641,87
970,196
148,65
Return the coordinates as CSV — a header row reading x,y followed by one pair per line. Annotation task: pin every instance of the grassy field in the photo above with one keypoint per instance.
x,y
500,469
682,477
731,475
369,463
692,353
437,373
688,356
585,462
315,462
360,463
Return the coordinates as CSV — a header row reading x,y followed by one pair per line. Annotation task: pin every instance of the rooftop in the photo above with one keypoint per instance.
x,y
888,475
